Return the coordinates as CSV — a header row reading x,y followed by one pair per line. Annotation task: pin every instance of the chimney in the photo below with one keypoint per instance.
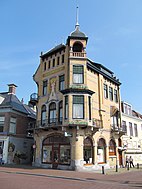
x,y
12,88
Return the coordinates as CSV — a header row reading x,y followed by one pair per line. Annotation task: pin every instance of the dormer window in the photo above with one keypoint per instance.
x,y
77,47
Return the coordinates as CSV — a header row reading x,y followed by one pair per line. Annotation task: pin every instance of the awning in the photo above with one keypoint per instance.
x,y
113,110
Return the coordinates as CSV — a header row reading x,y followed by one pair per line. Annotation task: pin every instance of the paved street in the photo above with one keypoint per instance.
x,y
28,178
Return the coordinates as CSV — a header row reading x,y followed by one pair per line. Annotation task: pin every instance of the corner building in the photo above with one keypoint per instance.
x,y
78,109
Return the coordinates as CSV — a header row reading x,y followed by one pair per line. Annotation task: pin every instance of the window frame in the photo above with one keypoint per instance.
x,y
66,107
75,103
115,95
12,125
79,73
111,93
44,88
61,82
105,91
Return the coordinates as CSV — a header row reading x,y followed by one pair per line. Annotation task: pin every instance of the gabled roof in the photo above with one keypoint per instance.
x,y
11,101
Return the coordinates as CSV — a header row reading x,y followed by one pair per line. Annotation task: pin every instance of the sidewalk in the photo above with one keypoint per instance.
x,y
38,170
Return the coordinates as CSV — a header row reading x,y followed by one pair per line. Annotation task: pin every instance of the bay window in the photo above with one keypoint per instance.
x,y
78,107
66,107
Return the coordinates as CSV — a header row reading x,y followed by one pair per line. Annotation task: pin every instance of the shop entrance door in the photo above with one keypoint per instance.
x,y
55,161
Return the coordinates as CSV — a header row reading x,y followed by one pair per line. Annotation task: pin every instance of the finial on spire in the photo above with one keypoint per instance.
x,y
77,12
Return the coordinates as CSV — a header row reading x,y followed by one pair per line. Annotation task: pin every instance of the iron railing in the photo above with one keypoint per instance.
x,y
118,128
54,122
34,97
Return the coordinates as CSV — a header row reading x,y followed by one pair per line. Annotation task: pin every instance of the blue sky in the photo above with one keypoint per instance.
x,y
114,28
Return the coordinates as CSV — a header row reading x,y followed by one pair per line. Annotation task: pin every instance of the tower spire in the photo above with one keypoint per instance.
x,y
77,12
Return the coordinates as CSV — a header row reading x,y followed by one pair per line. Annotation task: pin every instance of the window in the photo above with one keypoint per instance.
x,y
44,88
115,95
78,74
77,47
110,93
56,148
66,107
12,127
63,57
78,107
43,115
58,60
131,129
88,150
60,111
2,120
61,82
124,127
135,130
105,91
52,113
89,104
112,148
53,63
127,109
49,64
44,66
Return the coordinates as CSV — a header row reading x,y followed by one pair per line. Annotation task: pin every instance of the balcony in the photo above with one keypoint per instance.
x,y
78,54
33,98
118,129
49,123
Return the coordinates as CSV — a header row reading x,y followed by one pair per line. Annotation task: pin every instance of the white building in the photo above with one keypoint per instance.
x,y
132,140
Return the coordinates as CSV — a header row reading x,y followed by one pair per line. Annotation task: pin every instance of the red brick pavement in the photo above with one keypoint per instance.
x,y
27,178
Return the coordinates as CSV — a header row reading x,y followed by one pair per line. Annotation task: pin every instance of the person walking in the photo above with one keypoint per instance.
x,y
131,162
1,152
127,161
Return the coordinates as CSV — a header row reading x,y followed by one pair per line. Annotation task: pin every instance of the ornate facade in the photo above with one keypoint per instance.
x,y
78,109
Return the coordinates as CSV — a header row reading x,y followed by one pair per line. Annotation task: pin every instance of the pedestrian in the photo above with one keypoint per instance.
x,y
131,162
127,161
1,152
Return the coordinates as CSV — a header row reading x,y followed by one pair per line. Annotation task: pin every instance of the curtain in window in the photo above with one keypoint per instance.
x,y
78,105
78,74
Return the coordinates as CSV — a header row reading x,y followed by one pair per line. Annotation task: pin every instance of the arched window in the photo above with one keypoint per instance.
x,y
60,111
52,112
56,150
77,47
88,150
101,151
112,148
43,115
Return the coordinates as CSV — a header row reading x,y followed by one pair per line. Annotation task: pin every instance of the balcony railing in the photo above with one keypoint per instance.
x,y
78,54
118,128
47,123
97,123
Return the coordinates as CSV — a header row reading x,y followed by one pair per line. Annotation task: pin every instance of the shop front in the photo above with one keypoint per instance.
x,y
56,151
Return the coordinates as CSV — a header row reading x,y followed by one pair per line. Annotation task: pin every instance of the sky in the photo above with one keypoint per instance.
x,y
113,27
